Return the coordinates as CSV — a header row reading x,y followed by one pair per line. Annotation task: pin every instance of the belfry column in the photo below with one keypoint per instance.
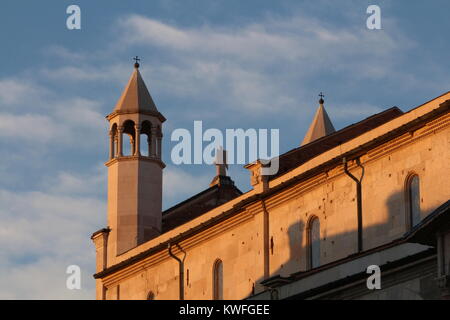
x,y
111,145
153,142
116,145
159,145
119,142
149,146
137,140
133,146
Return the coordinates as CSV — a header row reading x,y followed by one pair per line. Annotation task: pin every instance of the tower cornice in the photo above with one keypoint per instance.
x,y
156,114
132,158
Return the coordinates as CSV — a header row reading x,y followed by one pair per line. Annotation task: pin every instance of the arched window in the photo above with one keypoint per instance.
x,y
413,200
218,280
314,242
150,296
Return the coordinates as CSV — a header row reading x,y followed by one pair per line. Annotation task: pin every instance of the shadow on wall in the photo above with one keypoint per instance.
x,y
339,246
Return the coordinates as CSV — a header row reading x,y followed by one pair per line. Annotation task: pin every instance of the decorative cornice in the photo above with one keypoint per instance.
x,y
135,157
410,136
148,113
100,232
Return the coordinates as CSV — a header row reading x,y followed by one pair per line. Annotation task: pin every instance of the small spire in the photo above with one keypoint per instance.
x,y
221,177
321,95
135,97
221,161
320,126
136,63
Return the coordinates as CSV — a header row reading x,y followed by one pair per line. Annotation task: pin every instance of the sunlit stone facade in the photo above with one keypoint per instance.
x,y
304,233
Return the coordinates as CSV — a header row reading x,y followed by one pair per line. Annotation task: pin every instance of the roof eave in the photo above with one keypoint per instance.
x,y
156,114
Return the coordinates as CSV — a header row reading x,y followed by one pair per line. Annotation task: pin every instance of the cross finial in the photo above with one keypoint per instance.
x,y
221,161
136,64
321,95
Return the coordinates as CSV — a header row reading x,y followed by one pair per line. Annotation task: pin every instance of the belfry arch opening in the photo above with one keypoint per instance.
x,y
146,135
131,139
129,144
113,142
158,141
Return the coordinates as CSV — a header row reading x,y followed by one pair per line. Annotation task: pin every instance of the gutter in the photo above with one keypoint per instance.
x,y
266,235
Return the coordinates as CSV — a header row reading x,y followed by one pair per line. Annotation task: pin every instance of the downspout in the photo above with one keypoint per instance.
x,y
181,269
266,240
358,198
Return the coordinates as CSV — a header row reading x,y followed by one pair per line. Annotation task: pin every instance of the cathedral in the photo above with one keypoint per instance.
x,y
371,196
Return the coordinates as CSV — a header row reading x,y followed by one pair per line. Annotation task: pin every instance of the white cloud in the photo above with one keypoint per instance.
x,y
358,111
14,91
33,127
70,73
85,72
256,68
179,184
39,115
41,234
253,68
220,85
44,279
299,38
64,53
93,182
79,113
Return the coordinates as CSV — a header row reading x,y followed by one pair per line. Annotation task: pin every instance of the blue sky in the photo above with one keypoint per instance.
x,y
231,64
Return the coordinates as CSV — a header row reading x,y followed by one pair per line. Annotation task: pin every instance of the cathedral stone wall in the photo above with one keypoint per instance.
x,y
331,197
268,235
333,201
239,247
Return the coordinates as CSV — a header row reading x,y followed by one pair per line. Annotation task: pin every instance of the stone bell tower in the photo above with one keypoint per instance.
x,y
134,168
